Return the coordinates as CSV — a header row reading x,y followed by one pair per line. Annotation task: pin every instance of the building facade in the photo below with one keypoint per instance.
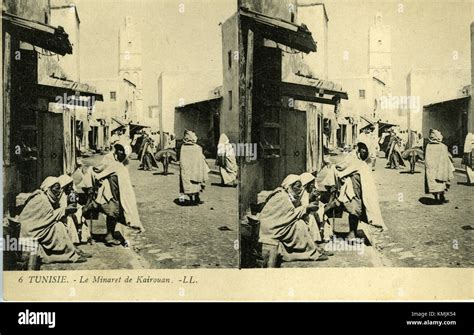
x,y
450,110
229,112
65,14
370,95
178,89
40,135
428,86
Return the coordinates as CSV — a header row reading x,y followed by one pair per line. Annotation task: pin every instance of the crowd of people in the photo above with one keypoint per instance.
x,y
55,215
399,149
151,149
438,161
294,216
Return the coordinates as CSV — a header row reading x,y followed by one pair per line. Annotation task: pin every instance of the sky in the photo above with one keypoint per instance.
x,y
425,33
171,40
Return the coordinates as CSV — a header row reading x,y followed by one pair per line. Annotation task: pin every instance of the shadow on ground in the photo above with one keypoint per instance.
x,y
163,174
428,201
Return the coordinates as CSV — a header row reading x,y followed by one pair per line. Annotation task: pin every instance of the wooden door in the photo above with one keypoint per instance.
x,y
293,142
50,144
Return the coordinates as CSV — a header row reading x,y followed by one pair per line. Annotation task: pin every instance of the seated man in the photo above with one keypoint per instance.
x,y
75,223
311,194
282,224
40,220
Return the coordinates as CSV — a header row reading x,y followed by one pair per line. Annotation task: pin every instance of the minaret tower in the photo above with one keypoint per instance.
x,y
380,52
130,62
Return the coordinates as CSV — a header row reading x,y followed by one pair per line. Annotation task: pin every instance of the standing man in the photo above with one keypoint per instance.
x,y
368,136
438,167
226,162
193,168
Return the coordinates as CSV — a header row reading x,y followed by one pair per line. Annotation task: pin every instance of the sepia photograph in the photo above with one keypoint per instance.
x,y
180,149
116,135
363,116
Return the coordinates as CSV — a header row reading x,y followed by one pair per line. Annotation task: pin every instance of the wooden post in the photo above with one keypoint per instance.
x,y
7,68
248,89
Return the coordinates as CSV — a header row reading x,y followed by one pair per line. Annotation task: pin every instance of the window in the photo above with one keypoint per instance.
x,y
230,100
113,96
229,58
292,17
361,94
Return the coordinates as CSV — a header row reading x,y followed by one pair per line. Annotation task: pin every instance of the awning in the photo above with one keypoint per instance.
x,y
280,31
116,124
38,34
68,91
208,101
319,91
74,88
366,121
457,101
135,126
324,88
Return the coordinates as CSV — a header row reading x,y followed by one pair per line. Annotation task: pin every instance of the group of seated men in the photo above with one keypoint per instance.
x,y
294,220
54,219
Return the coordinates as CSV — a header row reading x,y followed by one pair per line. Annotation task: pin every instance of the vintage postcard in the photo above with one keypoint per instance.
x,y
237,150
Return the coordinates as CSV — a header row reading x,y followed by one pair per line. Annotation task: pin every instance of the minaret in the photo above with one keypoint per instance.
x,y
380,52
130,61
